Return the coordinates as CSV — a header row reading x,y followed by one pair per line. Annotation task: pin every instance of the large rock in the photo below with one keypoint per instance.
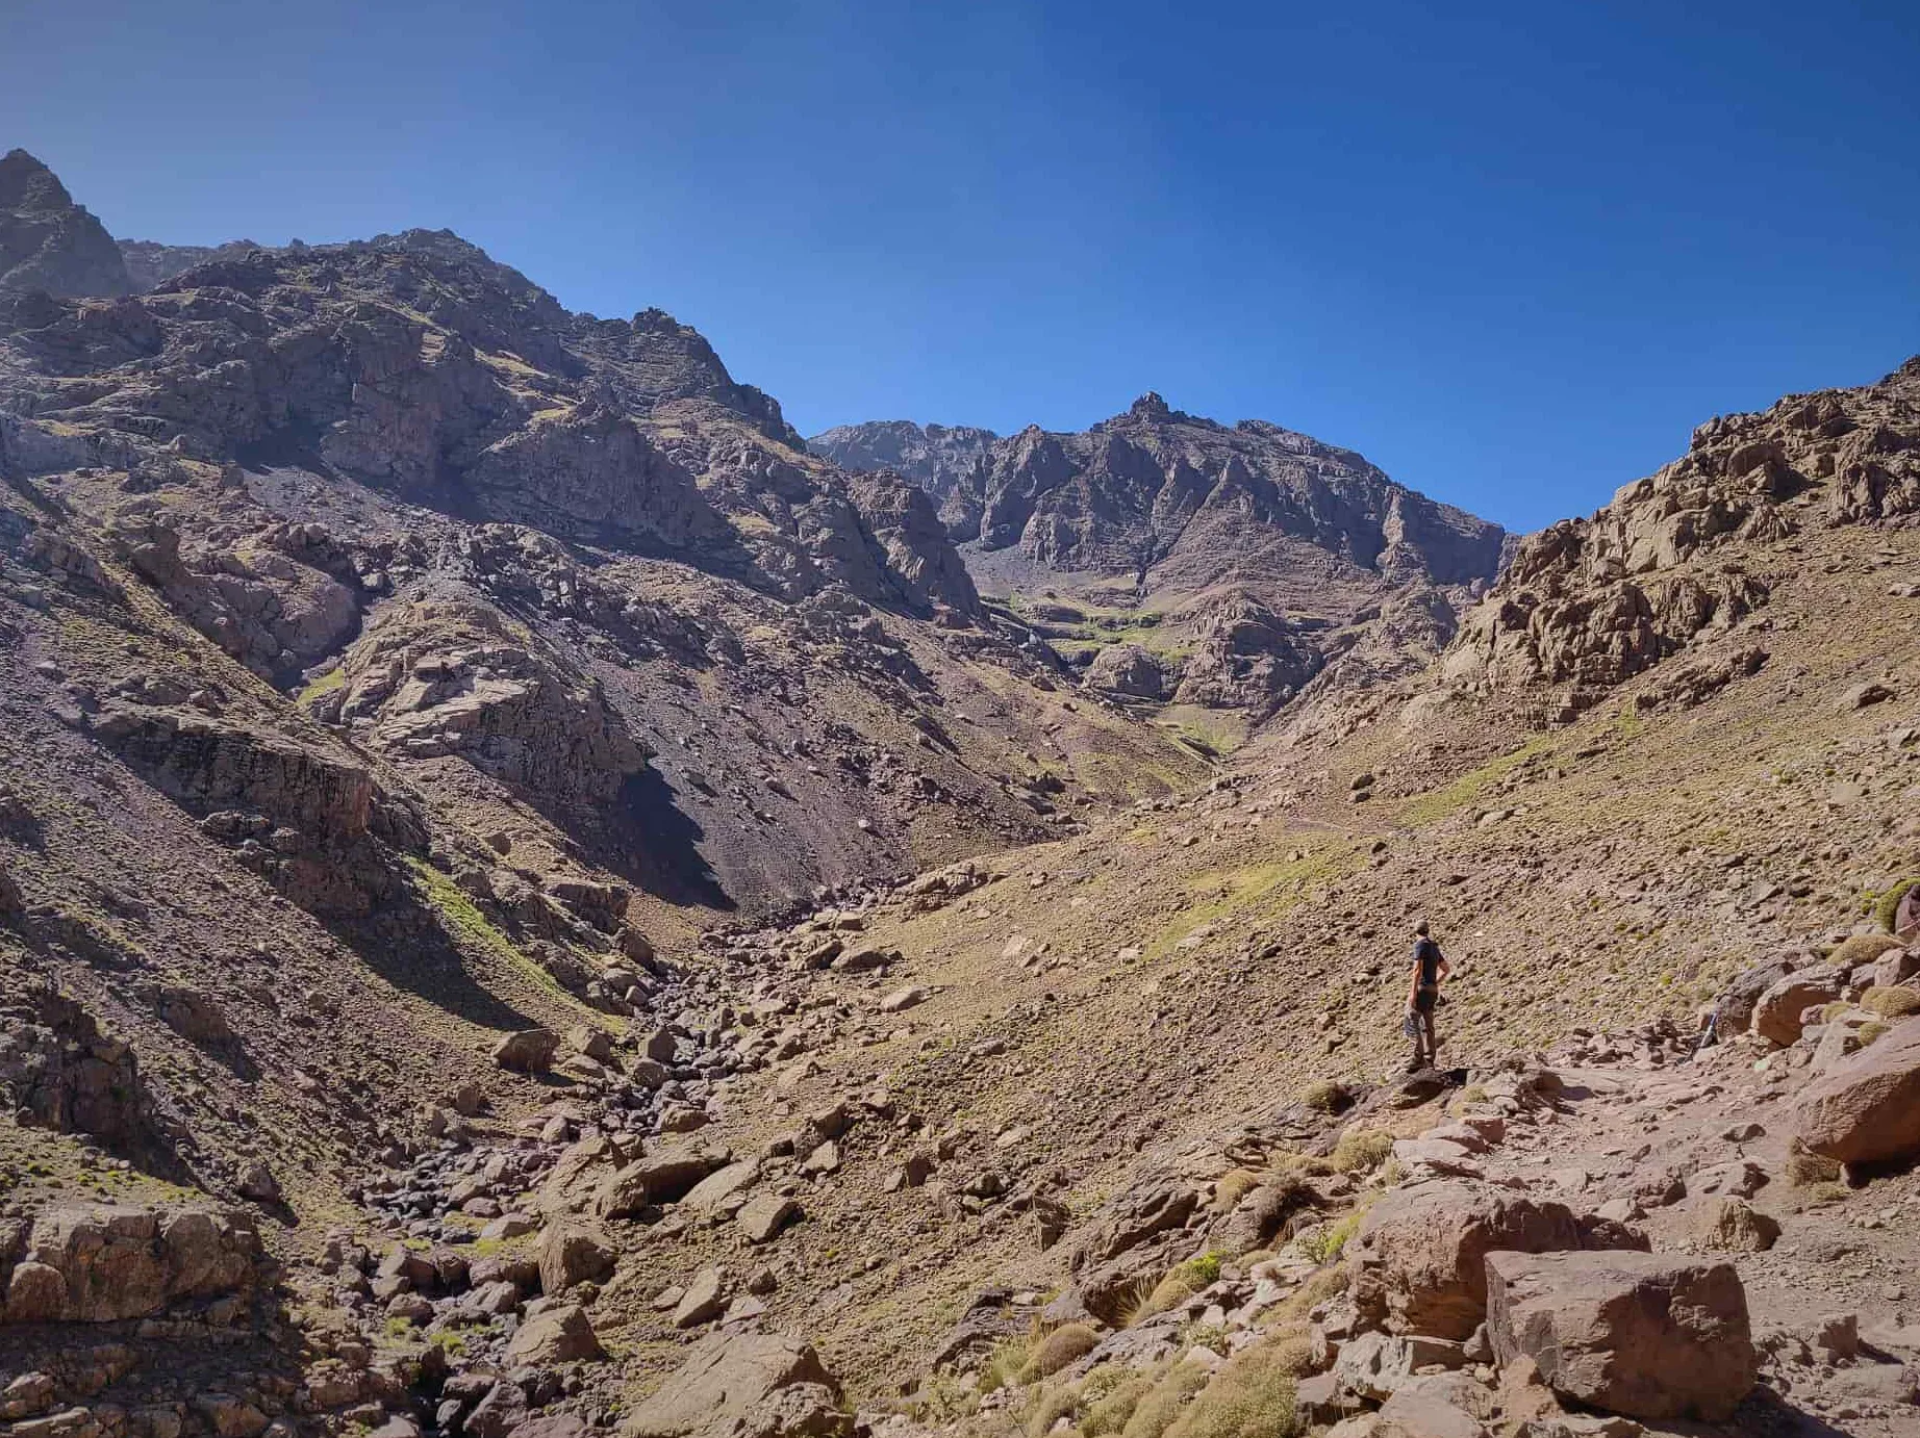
x,y
1867,1107
1136,1216
559,1334
1646,1335
1778,1013
670,1172
723,1378
571,1253
1419,1259
530,1051
100,1263
1732,1225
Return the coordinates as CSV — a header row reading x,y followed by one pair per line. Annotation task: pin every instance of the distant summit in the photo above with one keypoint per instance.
x,y
1174,556
47,242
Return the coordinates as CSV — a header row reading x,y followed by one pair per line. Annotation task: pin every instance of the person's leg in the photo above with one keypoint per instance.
x,y
1424,1045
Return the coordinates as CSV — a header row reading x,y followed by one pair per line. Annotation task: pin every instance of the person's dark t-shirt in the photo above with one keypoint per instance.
x,y
1426,953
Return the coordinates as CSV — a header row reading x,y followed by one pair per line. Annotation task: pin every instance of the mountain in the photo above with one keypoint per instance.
x,y
1175,557
532,905
47,242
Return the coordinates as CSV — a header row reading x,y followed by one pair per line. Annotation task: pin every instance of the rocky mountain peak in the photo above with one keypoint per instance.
x,y
47,242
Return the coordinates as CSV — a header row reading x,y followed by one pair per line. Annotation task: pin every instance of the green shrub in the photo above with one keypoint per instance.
x,y
1066,1344
1361,1150
1156,1412
1323,1245
1251,1397
1891,1003
1886,908
1867,1033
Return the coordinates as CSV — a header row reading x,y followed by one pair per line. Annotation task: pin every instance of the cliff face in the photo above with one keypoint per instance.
x,y
47,242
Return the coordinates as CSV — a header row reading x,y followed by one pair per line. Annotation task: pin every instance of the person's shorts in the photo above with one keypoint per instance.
x,y
1426,997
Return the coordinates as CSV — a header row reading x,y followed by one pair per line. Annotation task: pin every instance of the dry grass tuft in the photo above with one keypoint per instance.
x,y
1805,1169
1862,949
1251,1397
1066,1344
1327,1095
1156,1412
1048,1407
1891,1003
1234,1185
1112,1402
1361,1150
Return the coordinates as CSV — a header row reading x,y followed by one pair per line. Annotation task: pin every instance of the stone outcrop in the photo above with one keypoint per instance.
x,y
98,1263
62,1072
1589,603
47,242
1646,1335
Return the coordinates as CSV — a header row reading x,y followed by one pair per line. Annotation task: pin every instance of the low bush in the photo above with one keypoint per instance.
x,y
1112,1408
1327,1095
1892,1003
1251,1397
1158,1410
1066,1344
1234,1185
1857,949
1048,1407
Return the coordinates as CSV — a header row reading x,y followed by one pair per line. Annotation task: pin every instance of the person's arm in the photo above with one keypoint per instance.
x,y
1442,971
1413,985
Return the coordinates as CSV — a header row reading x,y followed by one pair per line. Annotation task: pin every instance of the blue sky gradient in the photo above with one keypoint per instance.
x,y
1512,253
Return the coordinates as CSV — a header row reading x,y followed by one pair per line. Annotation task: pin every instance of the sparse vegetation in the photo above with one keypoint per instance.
x,y
1886,906
1067,1344
1251,1397
1324,1244
1326,1095
1234,1185
1891,1003
1361,1150
1111,1403
1158,1411
1861,949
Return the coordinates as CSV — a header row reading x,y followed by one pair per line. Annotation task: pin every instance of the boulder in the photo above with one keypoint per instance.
x,y
1732,1225
1374,1365
764,1215
1777,1014
1418,1261
529,1051
1135,1216
665,1175
559,1334
1440,1405
1646,1335
571,1253
724,1378
707,1196
1866,1109
703,1299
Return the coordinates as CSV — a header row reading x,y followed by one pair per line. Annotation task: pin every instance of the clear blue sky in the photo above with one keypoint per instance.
x,y
1513,253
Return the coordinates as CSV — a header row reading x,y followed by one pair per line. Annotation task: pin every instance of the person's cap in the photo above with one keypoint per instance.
x,y
1420,927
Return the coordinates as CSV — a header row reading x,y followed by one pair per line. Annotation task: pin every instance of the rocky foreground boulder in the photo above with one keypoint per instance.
x,y
1419,1259
1866,1109
1646,1335
749,1383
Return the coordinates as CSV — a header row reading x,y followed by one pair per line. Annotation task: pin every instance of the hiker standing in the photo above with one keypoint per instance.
x,y
1423,992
